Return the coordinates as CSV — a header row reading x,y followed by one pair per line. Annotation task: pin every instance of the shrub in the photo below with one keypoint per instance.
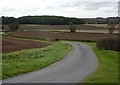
x,y
111,27
14,26
72,27
51,39
56,39
108,44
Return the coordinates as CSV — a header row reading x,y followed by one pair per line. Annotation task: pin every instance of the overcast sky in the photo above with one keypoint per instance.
x,y
67,8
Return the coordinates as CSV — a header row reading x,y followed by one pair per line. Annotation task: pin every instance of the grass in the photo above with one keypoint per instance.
x,y
107,72
19,62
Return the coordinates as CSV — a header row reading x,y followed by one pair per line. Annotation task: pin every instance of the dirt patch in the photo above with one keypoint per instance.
x,y
11,45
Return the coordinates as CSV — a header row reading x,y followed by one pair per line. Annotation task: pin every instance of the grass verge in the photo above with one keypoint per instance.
x,y
19,62
107,72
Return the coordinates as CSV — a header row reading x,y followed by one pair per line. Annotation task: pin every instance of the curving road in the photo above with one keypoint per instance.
x,y
74,68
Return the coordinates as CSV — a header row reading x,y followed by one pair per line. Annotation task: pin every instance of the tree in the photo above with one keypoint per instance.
x,y
8,20
14,26
111,27
72,27
49,20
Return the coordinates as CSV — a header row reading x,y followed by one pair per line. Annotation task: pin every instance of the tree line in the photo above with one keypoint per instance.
x,y
43,20
14,23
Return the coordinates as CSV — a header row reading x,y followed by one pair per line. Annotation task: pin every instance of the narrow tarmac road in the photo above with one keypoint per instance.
x,y
74,68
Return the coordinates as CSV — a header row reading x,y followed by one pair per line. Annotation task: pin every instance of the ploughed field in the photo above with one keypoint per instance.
x,y
68,36
65,27
11,45
92,28
83,27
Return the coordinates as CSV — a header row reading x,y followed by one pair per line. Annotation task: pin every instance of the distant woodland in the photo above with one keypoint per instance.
x,y
56,20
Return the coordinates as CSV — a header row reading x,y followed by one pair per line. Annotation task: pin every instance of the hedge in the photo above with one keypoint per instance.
x,y
109,44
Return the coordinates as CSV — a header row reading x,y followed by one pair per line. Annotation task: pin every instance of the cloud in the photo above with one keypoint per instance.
x,y
68,8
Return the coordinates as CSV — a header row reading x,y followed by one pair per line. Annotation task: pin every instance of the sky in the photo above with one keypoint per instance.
x,y
67,8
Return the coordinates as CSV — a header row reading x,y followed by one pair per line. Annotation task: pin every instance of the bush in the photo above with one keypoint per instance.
x,y
51,39
14,26
72,27
108,44
111,27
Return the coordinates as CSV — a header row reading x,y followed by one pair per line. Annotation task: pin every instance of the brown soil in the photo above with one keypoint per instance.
x,y
75,36
10,45
62,27
85,27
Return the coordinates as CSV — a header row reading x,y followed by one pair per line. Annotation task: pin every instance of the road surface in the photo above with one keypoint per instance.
x,y
75,67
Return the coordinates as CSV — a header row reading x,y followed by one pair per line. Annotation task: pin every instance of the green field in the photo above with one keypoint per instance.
x,y
19,62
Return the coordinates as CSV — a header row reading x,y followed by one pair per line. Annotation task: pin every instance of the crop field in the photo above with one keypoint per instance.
x,y
78,31
68,36
60,27
91,28
11,45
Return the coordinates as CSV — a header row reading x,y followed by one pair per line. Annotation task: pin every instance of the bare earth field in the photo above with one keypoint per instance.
x,y
10,44
84,26
73,36
92,28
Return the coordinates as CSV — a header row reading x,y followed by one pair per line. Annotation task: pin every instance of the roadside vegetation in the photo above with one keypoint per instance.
x,y
107,72
19,62
108,44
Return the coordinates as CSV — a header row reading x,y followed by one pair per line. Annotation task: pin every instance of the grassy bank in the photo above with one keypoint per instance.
x,y
19,62
107,72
